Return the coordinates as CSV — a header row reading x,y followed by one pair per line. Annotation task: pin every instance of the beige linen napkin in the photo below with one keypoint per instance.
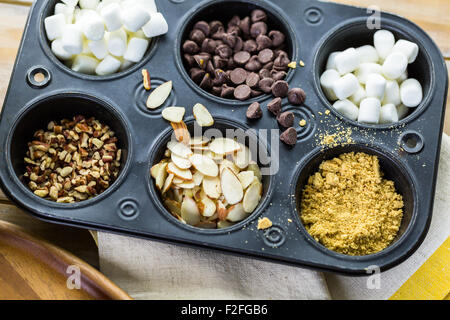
x,y
153,270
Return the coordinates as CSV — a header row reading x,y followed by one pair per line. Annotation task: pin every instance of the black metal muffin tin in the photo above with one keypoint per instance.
x,y
131,206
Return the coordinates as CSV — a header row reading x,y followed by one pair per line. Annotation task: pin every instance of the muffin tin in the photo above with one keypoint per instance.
x,y
408,150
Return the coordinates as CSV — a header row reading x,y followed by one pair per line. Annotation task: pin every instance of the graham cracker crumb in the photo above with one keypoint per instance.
x,y
302,64
264,223
302,123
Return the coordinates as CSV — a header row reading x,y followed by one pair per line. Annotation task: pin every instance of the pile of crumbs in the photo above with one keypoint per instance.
x,y
339,138
348,207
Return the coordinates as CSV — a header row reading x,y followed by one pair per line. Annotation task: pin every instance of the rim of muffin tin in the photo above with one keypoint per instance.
x,y
153,157
191,15
318,154
388,24
102,104
46,11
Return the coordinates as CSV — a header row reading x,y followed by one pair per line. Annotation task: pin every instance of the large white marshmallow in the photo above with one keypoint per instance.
x,y
72,39
347,61
109,65
136,49
58,50
411,93
388,114
117,43
156,26
392,93
369,111
395,64
358,96
89,4
85,64
99,48
331,62
112,17
383,41
367,53
67,11
365,69
327,81
347,109
402,111
71,3
134,18
375,86
93,26
345,86
54,26
408,48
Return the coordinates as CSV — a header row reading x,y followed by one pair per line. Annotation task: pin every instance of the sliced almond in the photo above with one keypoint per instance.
x,y
155,169
224,146
207,207
198,193
202,115
160,175
205,165
173,206
177,180
246,178
222,211
188,193
189,211
184,174
252,197
173,114
242,157
188,184
177,194
253,166
159,95
197,177
214,156
180,162
180,149
231,186
230,165
224,224
167,183
181,132
198,141
211,186
237,213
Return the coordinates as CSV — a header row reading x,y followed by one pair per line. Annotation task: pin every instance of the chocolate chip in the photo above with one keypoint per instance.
x,y
241,57
265,56
197,74
218,35
227,91
286,119
257,29
197,36
264,73
238,76
242,92
281,62
216,91
230,64
280,88
234,21
245,26
209,45
296,96
203,26
277,37
253,64
254,111
210,67
190,61
252,80
220,77
258,15
206,82
239,44
274,106
278,75
229,39
224,51
268,65
256,93
234,30
250,46
202,60
263,42
265,84
219,63
190,47
215,25
289,137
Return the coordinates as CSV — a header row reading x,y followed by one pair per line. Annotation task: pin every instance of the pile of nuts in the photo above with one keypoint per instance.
x,y
73,160
240,60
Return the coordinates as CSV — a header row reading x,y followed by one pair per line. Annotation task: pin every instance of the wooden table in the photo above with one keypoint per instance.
x,y
432,15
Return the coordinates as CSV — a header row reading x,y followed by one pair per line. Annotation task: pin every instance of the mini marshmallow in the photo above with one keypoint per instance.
x,y
369,111
85,64
67,11
383,41
327,81
136,49
58,50
375,86
125,65
148,5
367,54
365,69
394,65
99,48
109,65
347,61
388,114
411,93
134,18
402,111
111,16
93,26
359,95
54,26
86,49
392,93
117,43
89,4
71,3
72,39
408,48
345,86
403,77
331,62
156,26
347,109
139,34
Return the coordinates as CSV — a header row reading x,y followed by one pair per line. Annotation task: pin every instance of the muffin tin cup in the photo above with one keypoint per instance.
x,y
408,151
